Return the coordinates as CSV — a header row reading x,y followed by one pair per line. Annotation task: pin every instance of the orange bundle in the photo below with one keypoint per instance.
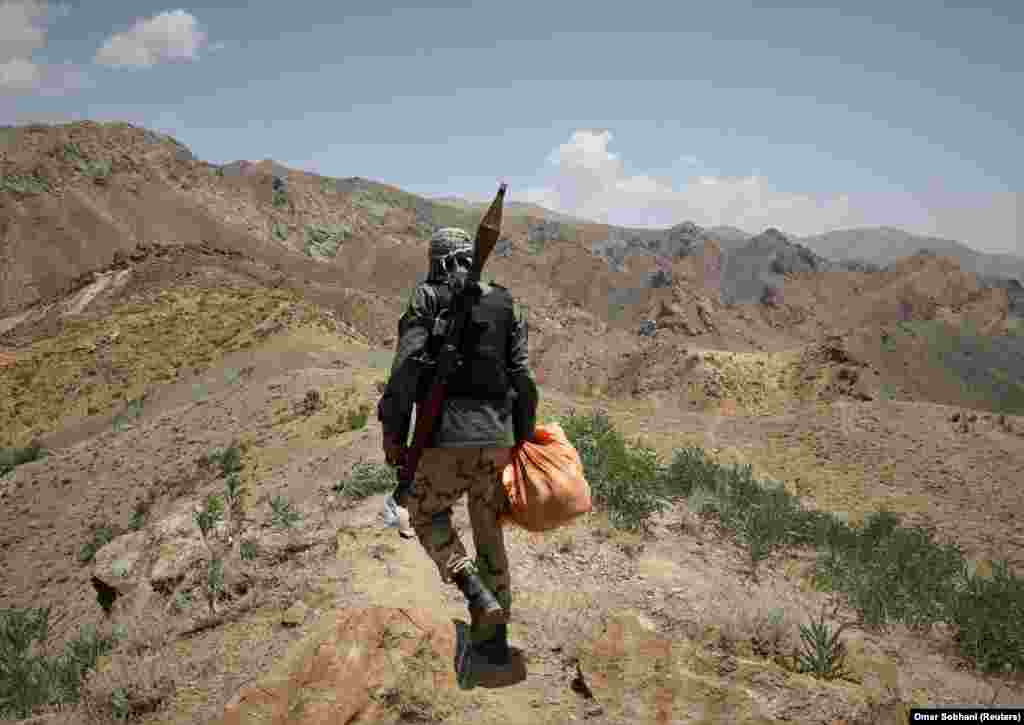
x,y
545,481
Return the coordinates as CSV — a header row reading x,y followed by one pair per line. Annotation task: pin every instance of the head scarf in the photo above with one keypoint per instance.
x,y
446,245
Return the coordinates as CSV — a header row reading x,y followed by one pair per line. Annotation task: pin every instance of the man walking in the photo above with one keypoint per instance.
x,y
490,406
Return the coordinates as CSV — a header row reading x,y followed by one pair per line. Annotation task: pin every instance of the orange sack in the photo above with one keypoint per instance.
x,y
545,481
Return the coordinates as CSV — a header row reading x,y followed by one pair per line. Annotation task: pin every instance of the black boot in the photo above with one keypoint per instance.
x,y
495,650
483,605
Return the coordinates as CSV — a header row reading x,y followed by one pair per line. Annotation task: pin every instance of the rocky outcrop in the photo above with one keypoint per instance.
x,y
177,546
361,666
632,673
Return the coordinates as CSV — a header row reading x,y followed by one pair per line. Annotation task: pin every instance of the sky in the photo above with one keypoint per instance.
x,y
749,114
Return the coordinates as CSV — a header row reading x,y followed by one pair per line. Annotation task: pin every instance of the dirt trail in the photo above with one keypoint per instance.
x,y
388,571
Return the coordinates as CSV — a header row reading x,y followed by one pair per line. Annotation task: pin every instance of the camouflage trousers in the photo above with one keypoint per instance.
x,y
442,476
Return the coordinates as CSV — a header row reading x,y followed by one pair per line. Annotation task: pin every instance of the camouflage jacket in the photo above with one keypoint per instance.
x,y
464,422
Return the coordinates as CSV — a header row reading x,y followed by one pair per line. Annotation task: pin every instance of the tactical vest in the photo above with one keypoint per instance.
x,y
482,372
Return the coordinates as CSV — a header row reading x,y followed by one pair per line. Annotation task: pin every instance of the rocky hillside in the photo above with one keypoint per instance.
x,y
191,479
95,214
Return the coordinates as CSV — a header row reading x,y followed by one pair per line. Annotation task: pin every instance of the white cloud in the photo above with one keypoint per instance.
x,y
23,28
592,182
172,35
19,74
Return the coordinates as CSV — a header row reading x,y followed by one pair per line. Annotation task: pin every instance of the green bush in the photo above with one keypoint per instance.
x,y
96,169
248,549
989,616
233,490
892,574
279,231
231,460
367,479
210,515
377,210
72,152
182,601
120,703
282,514
215,587
888,573
323,240
228,459
24,184
29,680
626,480
11,458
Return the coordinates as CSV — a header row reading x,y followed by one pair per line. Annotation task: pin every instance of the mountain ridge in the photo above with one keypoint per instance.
x,y
835,245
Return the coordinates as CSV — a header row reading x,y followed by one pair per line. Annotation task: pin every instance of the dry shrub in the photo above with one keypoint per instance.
x,y
690,523
127,687
560,619
762,620
144,634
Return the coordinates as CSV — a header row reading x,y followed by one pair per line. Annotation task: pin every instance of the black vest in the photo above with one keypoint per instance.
x,y
482,372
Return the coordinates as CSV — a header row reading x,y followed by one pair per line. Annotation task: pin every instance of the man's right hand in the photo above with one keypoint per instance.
x,y
402,494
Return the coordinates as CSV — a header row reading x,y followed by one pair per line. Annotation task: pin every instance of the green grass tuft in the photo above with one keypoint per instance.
x,y
367,479
24,184
248,549
823,654
283,516
624,479
323,240
279,231
215,587
228,459
989,617
11,458
210,515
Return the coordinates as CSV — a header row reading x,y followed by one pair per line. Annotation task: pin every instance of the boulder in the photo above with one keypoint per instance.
x,y
119,564
179,545
360,666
